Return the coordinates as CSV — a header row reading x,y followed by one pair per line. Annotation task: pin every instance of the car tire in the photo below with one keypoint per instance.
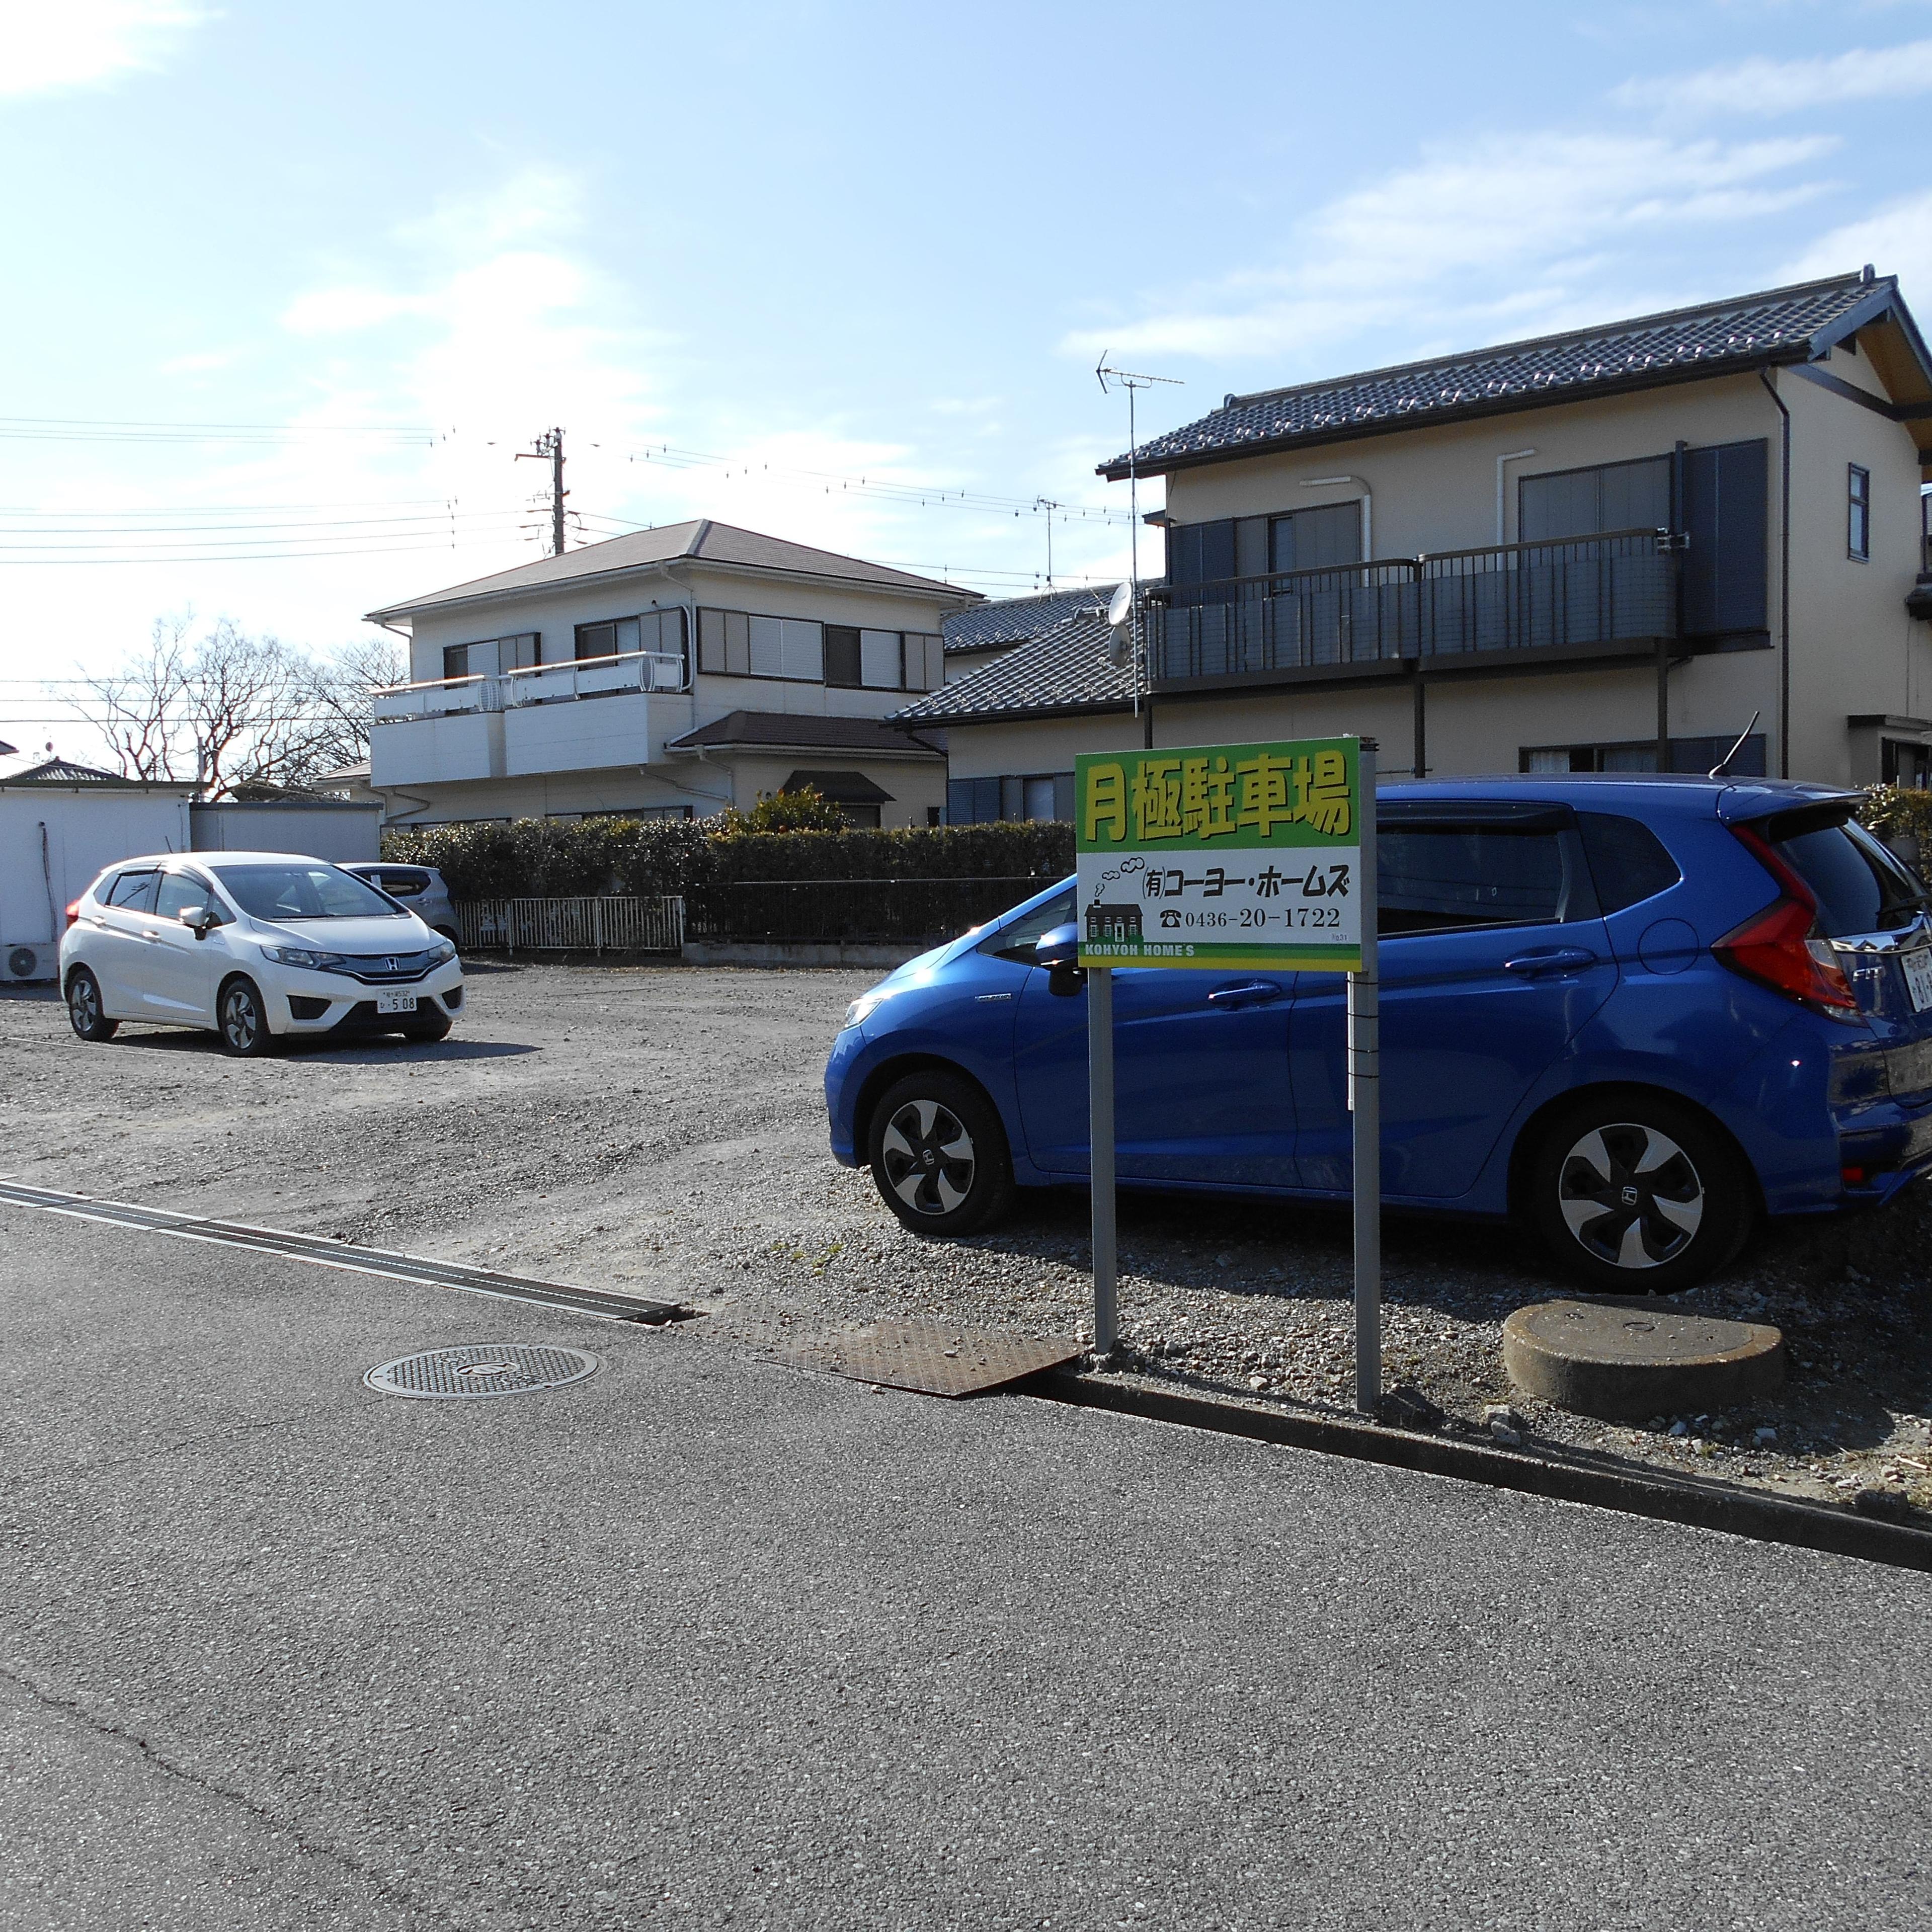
x,y
84,1011
939,1154
427,1030
241,1021
1639,1194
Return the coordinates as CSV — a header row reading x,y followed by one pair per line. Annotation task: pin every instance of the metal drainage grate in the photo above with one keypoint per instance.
x,y
455,1375
931,1357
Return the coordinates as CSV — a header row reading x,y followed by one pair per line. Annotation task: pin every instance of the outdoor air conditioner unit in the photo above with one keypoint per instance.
x,y
39,960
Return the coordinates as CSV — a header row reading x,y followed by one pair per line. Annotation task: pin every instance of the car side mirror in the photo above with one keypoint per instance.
x,y
201,920
1059,951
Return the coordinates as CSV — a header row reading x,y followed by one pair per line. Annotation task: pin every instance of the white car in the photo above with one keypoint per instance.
x,y
253,946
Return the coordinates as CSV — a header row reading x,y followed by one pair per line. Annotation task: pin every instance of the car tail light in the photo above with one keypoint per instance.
x,y
73,911
1784,947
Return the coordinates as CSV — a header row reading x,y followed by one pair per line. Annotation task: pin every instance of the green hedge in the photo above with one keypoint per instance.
x,y
1900,811
540,858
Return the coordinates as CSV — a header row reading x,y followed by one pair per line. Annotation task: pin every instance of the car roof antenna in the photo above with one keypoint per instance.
x,y
1717,770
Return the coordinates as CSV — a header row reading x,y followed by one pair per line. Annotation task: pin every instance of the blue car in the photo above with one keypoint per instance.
x,y
1636,1013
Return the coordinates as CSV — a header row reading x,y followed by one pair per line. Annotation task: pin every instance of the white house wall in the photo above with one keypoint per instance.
x,y
86,831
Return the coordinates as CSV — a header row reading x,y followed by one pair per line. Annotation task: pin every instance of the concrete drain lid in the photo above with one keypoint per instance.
x,y
455,1375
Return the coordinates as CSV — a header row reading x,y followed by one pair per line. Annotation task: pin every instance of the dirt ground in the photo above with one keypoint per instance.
x,y
661,1130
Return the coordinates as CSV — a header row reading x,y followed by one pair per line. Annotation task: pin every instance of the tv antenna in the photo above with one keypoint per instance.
x,y
1048,505
1133,381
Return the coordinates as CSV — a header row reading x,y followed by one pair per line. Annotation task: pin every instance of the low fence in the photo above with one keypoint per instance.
x,y
587,925
860,912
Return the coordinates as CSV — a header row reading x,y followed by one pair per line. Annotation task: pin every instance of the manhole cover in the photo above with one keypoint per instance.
x,y
453,1374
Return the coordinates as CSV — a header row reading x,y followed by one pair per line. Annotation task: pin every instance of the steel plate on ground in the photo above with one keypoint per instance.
x,y
931,1357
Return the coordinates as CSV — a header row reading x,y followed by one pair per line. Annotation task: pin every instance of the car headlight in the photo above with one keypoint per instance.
x,y
310,961
443,955
864,1004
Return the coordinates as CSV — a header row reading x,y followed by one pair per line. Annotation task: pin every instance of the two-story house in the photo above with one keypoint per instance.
x,y
1608,549
669,672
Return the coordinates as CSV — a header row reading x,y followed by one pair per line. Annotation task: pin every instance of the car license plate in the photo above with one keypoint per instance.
x,y
1918,976
395,1002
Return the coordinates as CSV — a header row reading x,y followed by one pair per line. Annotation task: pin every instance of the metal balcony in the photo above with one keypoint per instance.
x,y
1610,596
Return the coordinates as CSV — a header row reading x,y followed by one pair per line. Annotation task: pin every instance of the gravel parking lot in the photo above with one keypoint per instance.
x,y
661,1130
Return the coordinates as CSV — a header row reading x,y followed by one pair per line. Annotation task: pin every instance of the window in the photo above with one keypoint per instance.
x,y
1859,886
1904,761
1561,503
1317,538
179,891
1628,861
661,631
1443,876
1858,512
1725,569
1016,942
842,657
490,657
1639,754
134,891
1040,796
300,891
739,643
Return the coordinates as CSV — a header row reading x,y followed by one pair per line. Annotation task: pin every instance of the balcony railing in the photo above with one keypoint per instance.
x,y
1620,588
538,684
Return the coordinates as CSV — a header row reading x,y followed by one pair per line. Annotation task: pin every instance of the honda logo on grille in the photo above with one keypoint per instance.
x,y
389,965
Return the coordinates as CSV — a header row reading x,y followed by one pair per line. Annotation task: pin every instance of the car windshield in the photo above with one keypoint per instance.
x,y
304,892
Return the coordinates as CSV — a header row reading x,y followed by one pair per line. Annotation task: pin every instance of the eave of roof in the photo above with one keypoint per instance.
x,y
535,578
1865,303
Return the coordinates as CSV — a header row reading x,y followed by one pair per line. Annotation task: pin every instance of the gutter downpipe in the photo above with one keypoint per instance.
x,y
1764,376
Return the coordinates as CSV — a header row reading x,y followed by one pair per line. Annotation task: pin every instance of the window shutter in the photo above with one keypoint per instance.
x,y
1725,493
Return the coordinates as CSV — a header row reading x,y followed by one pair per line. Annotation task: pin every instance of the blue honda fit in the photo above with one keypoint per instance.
x,y
1635,1013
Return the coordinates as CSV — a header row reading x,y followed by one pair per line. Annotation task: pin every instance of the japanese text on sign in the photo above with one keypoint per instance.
x,y
1220,855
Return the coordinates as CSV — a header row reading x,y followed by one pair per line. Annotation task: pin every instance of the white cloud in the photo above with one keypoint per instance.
x,y
336,311
1764,86
1507,231
1896,241
45,48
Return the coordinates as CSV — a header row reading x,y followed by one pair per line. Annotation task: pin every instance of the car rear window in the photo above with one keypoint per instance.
x,y
402,884
1438,877
1627,860
1860,887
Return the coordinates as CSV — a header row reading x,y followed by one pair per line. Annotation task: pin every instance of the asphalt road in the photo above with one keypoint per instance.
x,y
703,1641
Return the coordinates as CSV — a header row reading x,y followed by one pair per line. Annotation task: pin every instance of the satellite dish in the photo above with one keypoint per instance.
x,y
1120,607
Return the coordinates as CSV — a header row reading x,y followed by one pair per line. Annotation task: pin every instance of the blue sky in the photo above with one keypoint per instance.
x,y
823,241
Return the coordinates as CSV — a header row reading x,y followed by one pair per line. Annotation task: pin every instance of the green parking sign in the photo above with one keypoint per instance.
x,y
1222,855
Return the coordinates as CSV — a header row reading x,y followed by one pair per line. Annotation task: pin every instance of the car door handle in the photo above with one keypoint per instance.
x,y
1557,959
1249,993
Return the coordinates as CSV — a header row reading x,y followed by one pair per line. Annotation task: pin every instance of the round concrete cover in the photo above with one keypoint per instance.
x,y
1628,1361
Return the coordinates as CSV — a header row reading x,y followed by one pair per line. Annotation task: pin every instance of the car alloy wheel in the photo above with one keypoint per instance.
x,y
1630,1196
244,1032
83,1008
928,1158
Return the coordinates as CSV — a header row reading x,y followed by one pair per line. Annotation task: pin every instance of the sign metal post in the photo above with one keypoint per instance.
x,y
1100,1115
1233,858
1365,1102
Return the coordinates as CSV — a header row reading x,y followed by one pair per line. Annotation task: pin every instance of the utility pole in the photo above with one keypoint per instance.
x,y
551,444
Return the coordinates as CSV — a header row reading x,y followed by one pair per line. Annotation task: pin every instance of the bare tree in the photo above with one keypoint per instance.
x,y
230,710
339,695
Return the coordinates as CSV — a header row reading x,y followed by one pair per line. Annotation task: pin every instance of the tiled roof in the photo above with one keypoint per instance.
x,y
791,731
65,772
1014,620
700,541
1785,325
1067,670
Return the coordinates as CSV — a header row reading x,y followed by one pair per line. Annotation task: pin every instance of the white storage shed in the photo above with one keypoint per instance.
x,y
60,824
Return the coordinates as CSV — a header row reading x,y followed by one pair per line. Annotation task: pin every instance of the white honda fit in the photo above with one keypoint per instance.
x,y
252,945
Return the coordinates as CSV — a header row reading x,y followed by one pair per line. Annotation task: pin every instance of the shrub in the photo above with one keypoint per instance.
x,y
805,810
1899,812
548,857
